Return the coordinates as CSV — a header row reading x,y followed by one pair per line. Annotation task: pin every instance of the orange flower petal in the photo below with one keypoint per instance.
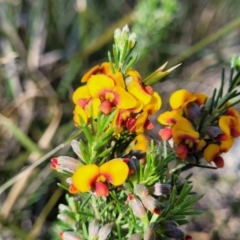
x,y
91,72
85,176
211,152
225,123
101,189
80,93
170,117
134,75
201,98
141,119
183,130
137,90
138,107
99,83
179,97
232,112
106,68
140,143
227,144
154,105
105,107
182,151
92,109
72,189
123,99
165,133
131,124
118,79
115,171
200,145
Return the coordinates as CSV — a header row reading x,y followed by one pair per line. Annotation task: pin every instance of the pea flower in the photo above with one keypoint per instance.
x,y
169,118
144,94
181,98
186,138
92,177
66,163
137,207
230,125
101,93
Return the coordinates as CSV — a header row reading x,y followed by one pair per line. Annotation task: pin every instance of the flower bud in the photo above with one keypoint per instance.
x,y
93,229
121,36
151,204
182,151
148,125
63,208
188,237
192,111
141,190
64,163
66,218
104,231
165,133
131,124
137,206
159,189
213,131
176,233
132,40
105,107
132,163
219,162
125,29
169,225
69,236
135,236
75,146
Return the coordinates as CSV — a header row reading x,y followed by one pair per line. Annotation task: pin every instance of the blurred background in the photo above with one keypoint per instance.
x,y
46,46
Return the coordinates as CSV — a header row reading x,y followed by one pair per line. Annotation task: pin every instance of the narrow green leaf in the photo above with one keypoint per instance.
x,y
158,74
62,186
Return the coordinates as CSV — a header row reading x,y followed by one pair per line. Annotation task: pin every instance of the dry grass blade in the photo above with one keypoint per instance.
x,y
20,184
42,217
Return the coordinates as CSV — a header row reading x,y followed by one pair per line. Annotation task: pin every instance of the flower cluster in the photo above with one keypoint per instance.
x,y
121,193
107,90
90,177
195,131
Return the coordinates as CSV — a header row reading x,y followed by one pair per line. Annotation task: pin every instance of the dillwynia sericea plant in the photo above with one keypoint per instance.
x,y
121,184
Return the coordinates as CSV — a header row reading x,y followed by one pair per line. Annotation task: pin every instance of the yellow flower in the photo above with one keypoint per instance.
x,y
230,126
139,143
154,105
183,132
85,105
91,177
212,153
169,118
181,98
102,87
186,138
79,113
144,94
